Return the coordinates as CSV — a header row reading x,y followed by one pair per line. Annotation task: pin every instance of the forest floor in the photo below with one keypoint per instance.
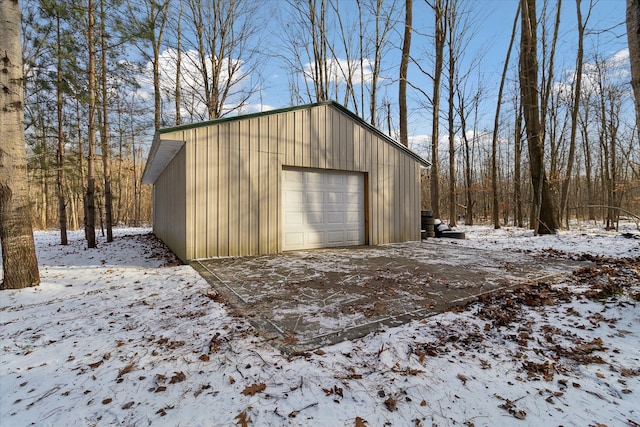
x,y
124,335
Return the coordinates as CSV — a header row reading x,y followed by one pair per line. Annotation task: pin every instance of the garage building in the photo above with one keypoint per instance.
x,y
305,177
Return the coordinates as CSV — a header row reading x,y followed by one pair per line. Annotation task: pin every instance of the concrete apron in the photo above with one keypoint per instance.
x,y
308,299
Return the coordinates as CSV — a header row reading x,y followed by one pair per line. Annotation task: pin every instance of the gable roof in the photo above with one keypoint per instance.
x,y
163,151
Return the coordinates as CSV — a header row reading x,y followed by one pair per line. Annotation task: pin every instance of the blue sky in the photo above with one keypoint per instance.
x,y
492,21
489,20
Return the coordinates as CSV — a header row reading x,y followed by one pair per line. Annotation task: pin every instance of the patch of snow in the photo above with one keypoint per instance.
x,y
120,336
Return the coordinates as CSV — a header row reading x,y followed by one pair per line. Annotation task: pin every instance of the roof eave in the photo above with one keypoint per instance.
x,y
161,153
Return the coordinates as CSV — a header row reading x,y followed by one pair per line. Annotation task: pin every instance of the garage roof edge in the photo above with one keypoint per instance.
x,y
161,153
334,104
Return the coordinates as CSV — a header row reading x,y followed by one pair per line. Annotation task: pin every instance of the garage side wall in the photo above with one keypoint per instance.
x,y
169,201
234,178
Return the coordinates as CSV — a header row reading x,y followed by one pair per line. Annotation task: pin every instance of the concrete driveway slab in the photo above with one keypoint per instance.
x,y
307,299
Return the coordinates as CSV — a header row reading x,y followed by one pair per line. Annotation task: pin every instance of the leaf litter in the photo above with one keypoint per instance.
x,y
545,353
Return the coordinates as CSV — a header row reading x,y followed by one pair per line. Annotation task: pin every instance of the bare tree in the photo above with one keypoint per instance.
x,y
61,183
90,206
152,22
496,123
19,262
404,65
575,109
223,31
178,91
633,37
451,18
104,130
439,9
544,216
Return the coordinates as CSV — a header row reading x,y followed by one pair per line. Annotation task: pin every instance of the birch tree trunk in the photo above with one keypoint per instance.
x,y
19,261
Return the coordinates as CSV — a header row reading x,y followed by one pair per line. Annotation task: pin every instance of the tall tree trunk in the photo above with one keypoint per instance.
x,y
544,217
468,178
435,116
575,110
547,77
517,171
90,223
496,123
584,130
633,37
450,16
19,261
404,65
106,150
178,90
62,210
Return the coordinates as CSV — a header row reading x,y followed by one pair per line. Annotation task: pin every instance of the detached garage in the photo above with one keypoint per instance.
x,y
306,177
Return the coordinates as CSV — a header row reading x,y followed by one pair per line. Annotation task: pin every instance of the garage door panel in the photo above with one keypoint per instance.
x,y
293,196
314,218
322,208
315,197
315,238
294,217
335,237
354,236
352,218
294,239
334,197
335,218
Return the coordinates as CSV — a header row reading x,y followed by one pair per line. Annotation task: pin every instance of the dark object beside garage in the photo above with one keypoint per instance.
x,y
427,224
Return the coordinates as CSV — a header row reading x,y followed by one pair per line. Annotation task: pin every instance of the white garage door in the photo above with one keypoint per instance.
x,y
322,208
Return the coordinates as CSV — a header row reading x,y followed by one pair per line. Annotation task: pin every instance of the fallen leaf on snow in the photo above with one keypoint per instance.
x,y
391,404
178,377
96,364
243,419
253,389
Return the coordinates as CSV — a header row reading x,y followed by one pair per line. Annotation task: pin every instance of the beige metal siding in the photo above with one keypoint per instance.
x,y
169,200
231,183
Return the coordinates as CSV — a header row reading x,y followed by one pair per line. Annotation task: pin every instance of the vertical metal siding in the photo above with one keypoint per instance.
x,y
169,199
220,196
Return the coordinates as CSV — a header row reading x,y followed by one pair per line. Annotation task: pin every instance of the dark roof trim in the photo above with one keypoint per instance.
x,y
334,104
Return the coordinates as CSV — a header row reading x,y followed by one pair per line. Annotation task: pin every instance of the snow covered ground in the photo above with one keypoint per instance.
x,y
123,335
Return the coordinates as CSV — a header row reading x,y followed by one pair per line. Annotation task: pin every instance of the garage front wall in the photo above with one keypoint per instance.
x,y
233,178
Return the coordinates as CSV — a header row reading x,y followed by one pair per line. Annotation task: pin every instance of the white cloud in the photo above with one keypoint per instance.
x,y
338,70
620,58
191,82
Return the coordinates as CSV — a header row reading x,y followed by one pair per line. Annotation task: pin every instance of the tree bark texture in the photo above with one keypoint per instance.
x,y
106,159
496,125
437,76
62,209
633,37
544,215
575,111
90,220
404,65
450,16
19,261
